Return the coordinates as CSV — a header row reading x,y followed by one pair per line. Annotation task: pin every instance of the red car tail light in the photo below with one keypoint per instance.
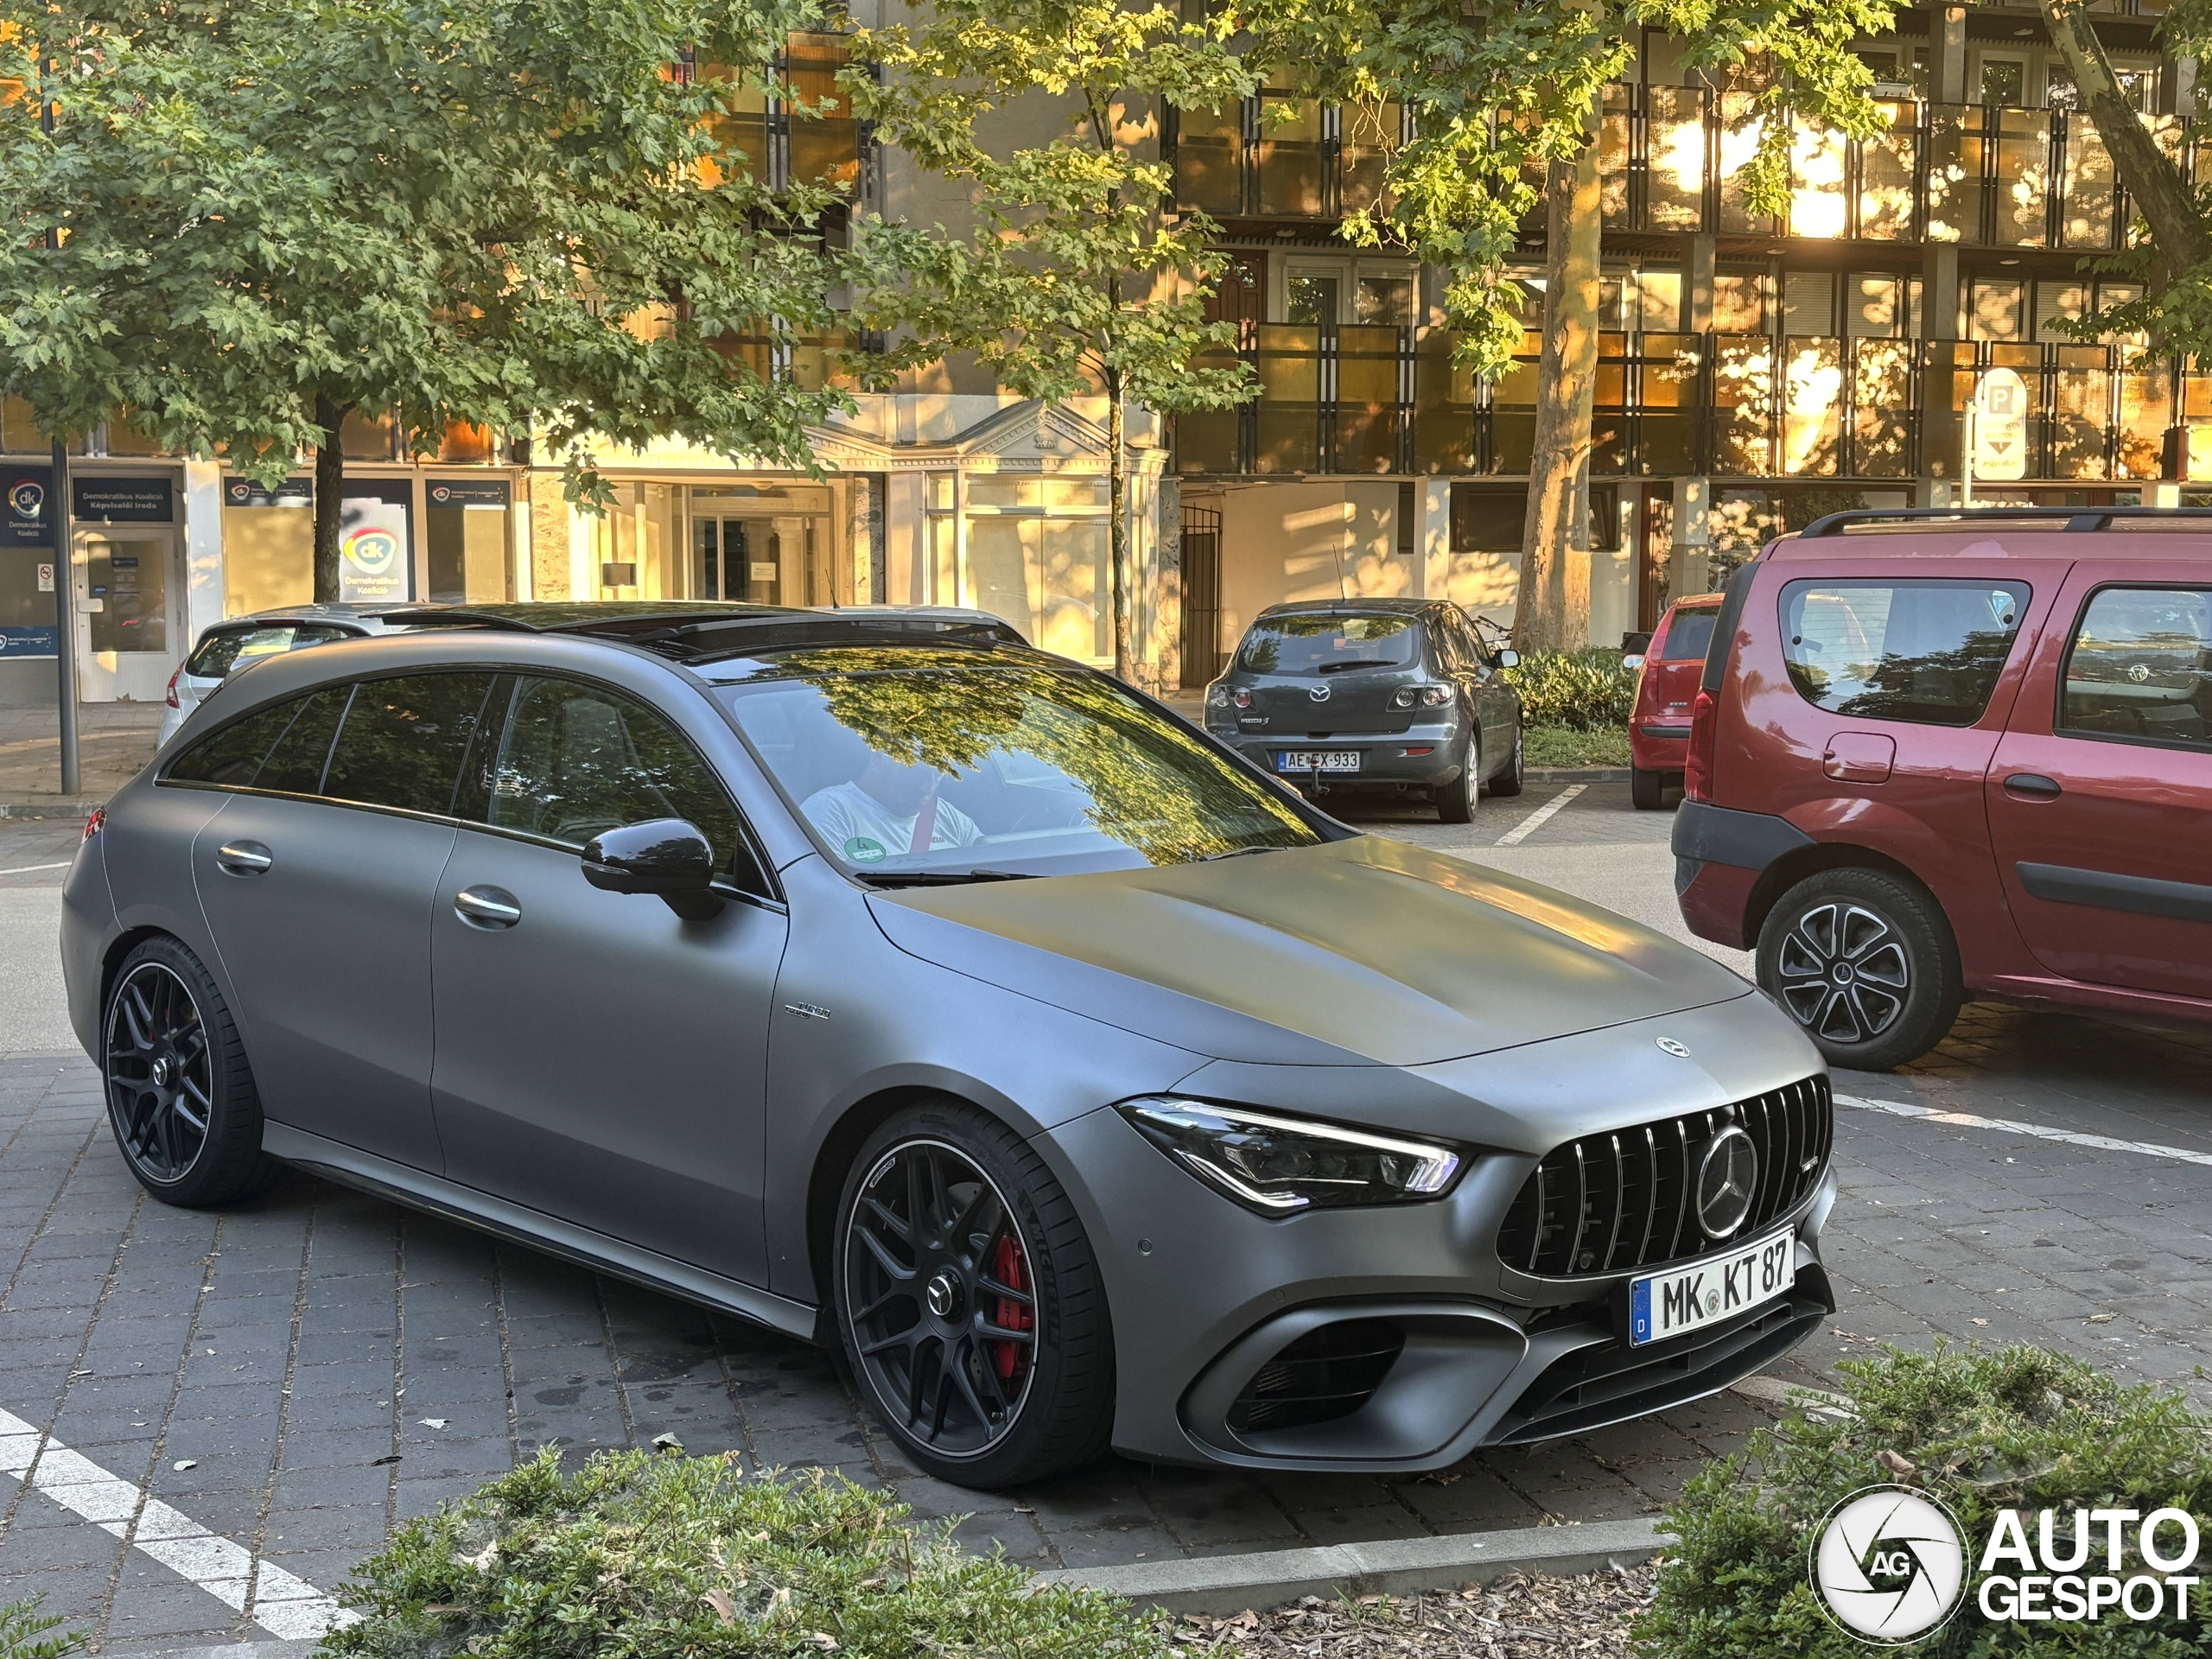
x,y
1705,740
92,824
171,698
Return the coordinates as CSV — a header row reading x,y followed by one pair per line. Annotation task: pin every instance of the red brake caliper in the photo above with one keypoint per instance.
x,y
1009,1267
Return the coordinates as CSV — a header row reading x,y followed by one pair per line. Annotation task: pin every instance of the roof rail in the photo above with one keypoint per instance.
x,y
454,617
1835,524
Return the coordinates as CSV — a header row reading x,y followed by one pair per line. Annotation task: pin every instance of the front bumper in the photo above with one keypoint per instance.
x,y
1404,1310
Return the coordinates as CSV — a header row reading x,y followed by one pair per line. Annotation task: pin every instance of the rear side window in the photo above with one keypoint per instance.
x,y
294,765
2140,668
1322,644
404,739
1927,652
219,653
1689,636
232,756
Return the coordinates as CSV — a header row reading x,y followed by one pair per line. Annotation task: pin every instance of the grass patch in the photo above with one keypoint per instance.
x,y
636,1556
1562,745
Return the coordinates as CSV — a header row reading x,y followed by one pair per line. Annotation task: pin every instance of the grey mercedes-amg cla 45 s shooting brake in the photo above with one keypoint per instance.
x,y
904,989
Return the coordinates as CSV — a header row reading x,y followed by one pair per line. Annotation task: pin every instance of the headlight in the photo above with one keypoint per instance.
x,y
1279,1166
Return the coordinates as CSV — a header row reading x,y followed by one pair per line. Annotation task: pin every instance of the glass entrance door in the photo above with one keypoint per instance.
x,y
741,558
129,636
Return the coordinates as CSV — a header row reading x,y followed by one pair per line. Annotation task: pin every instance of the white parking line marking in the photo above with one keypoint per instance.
x,y
284,1604
2009,1126
1542,815
28,870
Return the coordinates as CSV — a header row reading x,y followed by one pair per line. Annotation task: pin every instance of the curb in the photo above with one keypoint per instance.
x,y
20,807
1576,774
1231,1584
298,1649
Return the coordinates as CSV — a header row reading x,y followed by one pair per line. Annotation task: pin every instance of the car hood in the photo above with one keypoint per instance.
x,y
1366,951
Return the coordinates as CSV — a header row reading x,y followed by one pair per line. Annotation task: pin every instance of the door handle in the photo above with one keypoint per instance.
x,y
2034,783
243,858
489,907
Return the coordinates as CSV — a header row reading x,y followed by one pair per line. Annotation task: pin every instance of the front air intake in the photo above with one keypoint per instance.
x,y
1326,1374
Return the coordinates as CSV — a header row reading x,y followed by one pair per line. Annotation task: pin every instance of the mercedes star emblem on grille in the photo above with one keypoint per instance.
x,y
1319,694
1680,1051
1728,1176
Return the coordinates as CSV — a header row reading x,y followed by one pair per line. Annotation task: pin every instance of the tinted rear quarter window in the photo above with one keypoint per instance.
x,y
404,739
294,765
1925,651
232,756
1325,643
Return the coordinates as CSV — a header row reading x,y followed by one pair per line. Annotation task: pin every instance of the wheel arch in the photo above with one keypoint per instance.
x,y
1794,867
112,959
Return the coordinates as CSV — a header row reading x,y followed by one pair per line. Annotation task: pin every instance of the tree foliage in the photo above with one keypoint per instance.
x,y
514,214
1076,277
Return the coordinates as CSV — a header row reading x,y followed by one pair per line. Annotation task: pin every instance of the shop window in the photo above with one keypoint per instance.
x,y
465,528
634,544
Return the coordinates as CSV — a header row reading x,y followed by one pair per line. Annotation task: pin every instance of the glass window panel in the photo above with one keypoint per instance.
x,y
1310,298
1289,364
1881,399
740,129
404,740
1209,156
1924,652
1993,308
1874,306
1674,136
1739,302
1370,139
2023,182
1001,559
2085,209
1367,400
1075,590
1443,407
1658,300
1818,199
1885,169
1290,155
2145,412
1812,431
2141,667
2081,412
1739,143
825,143
1953,173
1382,298
296,764
2004,81
1743,400
1075,492
575,760
232,756
1613,137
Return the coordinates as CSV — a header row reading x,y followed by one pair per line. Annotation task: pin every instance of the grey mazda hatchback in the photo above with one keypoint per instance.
x,y
906,989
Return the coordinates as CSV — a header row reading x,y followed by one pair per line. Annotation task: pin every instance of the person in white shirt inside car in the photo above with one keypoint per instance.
x,y
892,810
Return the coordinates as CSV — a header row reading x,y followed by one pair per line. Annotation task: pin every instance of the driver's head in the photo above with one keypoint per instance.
x,y
900,786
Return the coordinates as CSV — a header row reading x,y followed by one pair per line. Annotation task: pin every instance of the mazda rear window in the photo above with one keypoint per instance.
x,y
1927,652
1324,645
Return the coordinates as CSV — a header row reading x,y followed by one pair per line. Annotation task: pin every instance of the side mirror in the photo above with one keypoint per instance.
x,y
1508,658
1631,663
666,856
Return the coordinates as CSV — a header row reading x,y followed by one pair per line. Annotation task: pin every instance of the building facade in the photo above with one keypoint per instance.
x,y
1754,372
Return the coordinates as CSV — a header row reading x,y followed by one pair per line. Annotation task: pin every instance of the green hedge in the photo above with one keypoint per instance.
x,y
1581,690
644,1557
2023,1429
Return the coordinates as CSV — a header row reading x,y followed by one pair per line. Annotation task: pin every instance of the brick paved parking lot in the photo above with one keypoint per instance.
x,y
296,1375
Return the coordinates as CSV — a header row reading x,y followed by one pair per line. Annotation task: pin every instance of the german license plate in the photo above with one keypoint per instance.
x,y
1712,1291
1317,760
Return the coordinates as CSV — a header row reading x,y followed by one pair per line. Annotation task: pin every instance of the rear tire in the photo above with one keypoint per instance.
x,y
1455,801
1865,963
1647,791
969,1304
1513,774
181,1098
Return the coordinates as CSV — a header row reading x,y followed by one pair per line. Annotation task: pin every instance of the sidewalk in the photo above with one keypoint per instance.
x,y
114,739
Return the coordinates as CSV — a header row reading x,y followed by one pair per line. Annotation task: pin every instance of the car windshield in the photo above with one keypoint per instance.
x,y
910,766
1325,643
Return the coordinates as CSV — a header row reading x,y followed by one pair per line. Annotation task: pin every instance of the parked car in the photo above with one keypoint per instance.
x,y
1396,694
902,988
1933,755
239,640
1666,685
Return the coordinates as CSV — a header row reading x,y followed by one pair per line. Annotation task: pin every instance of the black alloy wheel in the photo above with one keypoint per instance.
x,y
179,1098
970,1307
161,1089
1864,962
942,1298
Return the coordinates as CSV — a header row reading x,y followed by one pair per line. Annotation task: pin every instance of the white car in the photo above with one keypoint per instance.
x,y
239,640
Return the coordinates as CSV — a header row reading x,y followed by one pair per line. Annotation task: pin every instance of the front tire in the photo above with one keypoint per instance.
x,y
1455,801
968,1303
1866,963
1514,774
181,1098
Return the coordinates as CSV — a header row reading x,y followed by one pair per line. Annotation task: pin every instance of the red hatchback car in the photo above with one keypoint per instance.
x,y
1666,689
1935,754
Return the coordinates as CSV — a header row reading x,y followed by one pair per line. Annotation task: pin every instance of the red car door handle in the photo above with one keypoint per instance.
x,y
2034,783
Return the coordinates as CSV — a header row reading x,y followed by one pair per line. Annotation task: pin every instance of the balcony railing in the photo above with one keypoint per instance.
x,y
1671,158
1374,400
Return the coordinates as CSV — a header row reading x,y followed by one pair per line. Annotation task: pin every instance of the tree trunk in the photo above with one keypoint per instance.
x,y
1117,491
2179,238
329,496
1566,382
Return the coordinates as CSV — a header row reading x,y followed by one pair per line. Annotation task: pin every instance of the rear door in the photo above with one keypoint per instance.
x,y
2101,789
1673,665
316,884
